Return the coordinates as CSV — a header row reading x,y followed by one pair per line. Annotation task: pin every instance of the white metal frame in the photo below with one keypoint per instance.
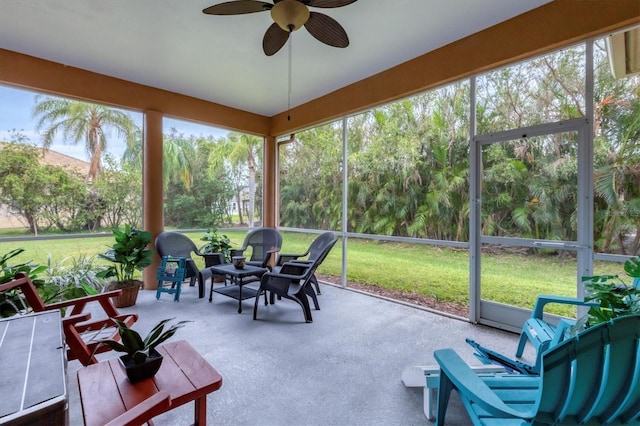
x,y
509,317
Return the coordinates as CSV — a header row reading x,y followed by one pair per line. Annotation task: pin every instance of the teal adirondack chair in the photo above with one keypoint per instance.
x,y
537,332
590,379
541,334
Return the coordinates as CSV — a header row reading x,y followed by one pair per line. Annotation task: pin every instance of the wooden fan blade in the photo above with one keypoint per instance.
x,y
238,7
274,39
329,3
327,30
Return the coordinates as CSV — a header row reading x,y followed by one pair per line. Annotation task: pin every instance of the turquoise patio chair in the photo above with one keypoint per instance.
x,y
539,332
542,335
592,378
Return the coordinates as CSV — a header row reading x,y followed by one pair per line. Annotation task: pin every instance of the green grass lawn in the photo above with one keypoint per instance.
x,y
440,273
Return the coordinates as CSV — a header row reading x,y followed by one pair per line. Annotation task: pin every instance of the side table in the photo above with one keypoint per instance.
x,y
105,391
237,277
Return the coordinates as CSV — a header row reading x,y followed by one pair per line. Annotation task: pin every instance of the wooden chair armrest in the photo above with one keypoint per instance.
x,y
75,319
455,371
145,411
81,327
77,305
84,300
9,285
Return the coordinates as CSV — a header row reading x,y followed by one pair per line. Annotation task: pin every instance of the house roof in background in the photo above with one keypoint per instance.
x,y
54,158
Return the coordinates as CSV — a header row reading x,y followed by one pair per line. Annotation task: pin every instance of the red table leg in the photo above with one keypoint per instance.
x,y
200,411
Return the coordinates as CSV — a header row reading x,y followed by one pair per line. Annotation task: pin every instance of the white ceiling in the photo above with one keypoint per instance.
x,y
171,44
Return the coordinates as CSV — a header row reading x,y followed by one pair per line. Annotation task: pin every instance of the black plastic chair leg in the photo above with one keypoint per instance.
x,y
255,303
312,294
201,288
314,281
302,299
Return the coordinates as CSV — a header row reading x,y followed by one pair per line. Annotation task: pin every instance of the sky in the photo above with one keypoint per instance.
x,y
16,106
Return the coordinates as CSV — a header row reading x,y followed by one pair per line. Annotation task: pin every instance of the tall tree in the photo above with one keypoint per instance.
x,y
35,192
178,156
81,121
242,152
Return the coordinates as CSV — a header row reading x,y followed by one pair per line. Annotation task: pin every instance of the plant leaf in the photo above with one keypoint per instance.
x,y
632,267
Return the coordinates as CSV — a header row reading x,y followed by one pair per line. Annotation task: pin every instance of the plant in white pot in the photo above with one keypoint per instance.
x,y
142,360
128,254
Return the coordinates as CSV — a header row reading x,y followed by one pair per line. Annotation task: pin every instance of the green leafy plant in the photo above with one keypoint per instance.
x,y
616,298
216,244
56,286
11,303
8,271
134,345
128,254
75,274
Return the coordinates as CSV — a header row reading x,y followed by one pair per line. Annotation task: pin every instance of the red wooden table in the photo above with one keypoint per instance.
x,y
105,391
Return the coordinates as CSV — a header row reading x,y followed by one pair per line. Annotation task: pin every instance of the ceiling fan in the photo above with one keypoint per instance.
x,y
288,16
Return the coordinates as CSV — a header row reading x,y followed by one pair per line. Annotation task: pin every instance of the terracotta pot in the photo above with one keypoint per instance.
x,y
129,294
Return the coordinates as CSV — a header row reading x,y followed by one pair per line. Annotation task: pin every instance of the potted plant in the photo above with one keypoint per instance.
x,y
128,254
142,360
616,298
216,244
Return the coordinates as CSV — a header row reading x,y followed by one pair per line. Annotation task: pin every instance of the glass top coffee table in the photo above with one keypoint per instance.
x,y
239,278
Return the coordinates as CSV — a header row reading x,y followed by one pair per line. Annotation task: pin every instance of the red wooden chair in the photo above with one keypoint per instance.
x,y
82,337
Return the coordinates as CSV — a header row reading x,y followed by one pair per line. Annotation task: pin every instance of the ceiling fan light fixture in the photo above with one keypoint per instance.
x,y
290,15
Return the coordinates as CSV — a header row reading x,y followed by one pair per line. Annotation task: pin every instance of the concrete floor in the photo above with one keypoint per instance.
x,y
343,369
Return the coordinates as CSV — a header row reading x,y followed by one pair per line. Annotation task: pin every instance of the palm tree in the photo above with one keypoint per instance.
x,y
240,150
178,157
81,121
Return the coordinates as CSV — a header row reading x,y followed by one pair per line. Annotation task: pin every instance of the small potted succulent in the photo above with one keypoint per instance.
x,y
128,254
142,360
216,243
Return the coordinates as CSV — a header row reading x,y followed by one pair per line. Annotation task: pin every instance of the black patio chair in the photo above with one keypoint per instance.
x,y
292,280
316,252
175,244
264,243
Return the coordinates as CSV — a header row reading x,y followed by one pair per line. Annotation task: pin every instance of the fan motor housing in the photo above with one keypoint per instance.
x,y
290,15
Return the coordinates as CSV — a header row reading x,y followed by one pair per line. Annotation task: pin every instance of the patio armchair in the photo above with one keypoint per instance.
x,y
293,279
82,337
264,243
175,244
538,331
541,332
591,378
291,283
315,253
